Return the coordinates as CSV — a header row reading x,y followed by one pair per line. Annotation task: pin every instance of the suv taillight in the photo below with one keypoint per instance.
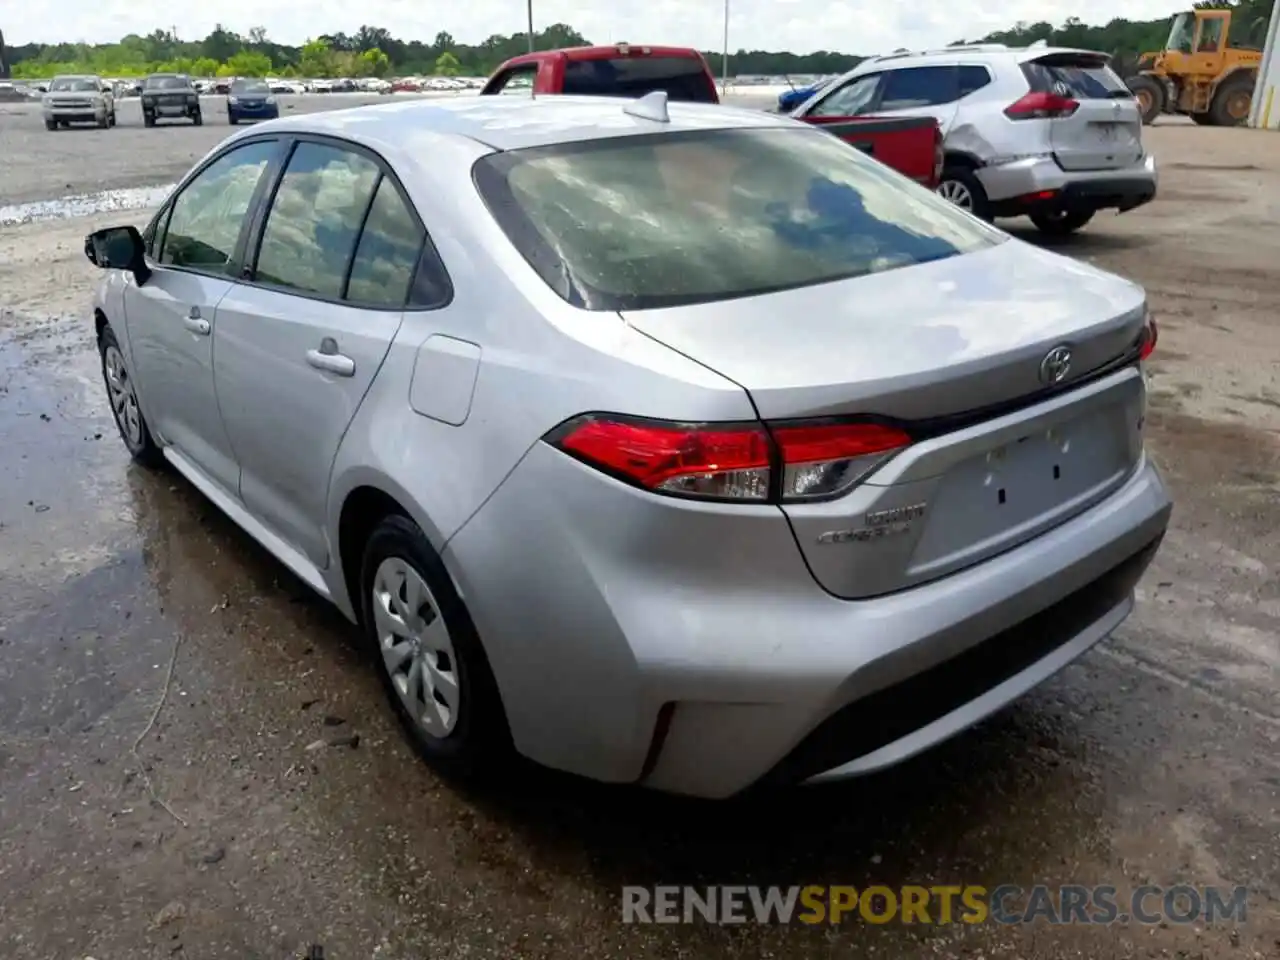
x,y
1148,338
779,462
1041,106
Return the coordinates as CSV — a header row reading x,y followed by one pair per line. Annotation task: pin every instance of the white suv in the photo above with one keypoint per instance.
x,y
79,99
1045,132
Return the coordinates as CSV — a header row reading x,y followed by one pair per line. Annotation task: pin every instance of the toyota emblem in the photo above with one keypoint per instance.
x,y
1055,366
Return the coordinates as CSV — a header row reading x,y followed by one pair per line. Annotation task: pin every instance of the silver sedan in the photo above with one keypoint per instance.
x,y
665,444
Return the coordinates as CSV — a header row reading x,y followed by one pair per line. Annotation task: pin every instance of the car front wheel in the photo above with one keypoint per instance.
x,y
429,655
124,402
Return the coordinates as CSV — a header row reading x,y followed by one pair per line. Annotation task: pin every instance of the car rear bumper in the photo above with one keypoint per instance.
x,y
634,647
1017,188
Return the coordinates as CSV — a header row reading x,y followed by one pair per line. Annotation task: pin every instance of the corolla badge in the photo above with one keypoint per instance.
x,y
1056,365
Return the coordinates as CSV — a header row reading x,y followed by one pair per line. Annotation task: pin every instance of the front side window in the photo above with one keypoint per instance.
x,y
387,254
518,81
643,222
853,98
311,229
1210,35
208,214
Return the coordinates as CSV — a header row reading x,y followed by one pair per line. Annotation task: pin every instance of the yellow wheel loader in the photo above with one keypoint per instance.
x,y
1199,73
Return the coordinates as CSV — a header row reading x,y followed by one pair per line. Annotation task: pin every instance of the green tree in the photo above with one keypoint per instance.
x,y
316,59
249,63
447,65
374,63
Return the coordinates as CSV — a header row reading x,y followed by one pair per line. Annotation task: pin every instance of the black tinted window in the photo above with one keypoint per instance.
x,y
207,215
311,229
918,87
387,253
683,78
634,223
1082,79
971,78
166,83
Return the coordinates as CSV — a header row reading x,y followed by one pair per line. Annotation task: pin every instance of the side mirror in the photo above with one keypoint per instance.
x,y
118,248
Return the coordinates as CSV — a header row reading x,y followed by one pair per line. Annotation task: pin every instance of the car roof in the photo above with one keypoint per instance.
x,y
602,53
515,122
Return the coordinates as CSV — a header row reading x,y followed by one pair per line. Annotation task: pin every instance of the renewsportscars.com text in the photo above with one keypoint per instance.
x,y
969,904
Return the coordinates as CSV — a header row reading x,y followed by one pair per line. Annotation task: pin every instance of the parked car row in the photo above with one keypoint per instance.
x,y
164,96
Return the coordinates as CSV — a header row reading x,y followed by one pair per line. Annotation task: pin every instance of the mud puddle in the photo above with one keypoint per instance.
x,y
83,205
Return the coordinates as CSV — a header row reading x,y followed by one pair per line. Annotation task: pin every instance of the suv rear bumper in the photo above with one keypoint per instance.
x,y
1015,188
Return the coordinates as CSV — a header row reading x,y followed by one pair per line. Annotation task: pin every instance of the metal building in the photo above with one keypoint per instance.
x,y
1265,112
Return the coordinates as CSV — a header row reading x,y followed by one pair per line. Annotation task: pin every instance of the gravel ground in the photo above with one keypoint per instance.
x,y
1154,759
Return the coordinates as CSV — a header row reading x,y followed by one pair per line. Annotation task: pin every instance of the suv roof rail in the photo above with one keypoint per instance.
x,y
942,51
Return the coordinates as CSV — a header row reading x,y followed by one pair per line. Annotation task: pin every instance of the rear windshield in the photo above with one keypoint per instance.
x,y
642,222
683,78
1084,79
167,83
74,85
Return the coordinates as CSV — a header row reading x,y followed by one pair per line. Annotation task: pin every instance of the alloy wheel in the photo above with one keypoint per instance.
x,y
957,193
124,401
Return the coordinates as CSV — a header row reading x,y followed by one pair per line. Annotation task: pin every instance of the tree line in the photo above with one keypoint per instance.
x,y
373,51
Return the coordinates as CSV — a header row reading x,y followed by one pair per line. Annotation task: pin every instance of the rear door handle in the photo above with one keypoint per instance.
x,y
328,359
196,323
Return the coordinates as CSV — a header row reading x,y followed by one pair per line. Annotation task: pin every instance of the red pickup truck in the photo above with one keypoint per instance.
x,y
910,145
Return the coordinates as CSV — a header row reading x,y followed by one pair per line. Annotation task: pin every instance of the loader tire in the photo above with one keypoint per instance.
x,y
1231,102
1150,94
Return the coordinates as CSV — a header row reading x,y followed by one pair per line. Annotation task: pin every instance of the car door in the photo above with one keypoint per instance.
x,y
300,341
195,247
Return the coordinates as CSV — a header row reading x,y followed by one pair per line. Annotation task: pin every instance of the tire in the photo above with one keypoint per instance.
x,y
1151,95
965,190
148,119
470,737
1232,101
231,119
124,402
1063,223
104,122
51,124
113,118
197,118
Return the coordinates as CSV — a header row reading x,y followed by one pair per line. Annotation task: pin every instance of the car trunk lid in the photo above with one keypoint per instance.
x,y
1104,131
953,351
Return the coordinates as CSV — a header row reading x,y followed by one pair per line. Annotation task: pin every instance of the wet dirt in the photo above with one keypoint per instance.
x,y
168,787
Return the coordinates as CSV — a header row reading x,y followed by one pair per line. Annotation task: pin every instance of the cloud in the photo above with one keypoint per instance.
x,y
850,26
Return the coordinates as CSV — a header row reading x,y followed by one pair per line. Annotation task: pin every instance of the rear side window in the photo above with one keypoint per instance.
x,y
683,78
644,222
1078,77
918,87
311,231
518,80
971,79
387,254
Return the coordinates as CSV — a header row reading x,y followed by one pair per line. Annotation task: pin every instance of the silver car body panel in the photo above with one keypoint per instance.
x,y
601,605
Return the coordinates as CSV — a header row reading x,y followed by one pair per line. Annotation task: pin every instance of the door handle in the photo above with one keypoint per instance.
x,y
328,359
196,323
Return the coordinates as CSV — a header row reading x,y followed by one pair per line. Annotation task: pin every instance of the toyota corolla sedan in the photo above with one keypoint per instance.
x,y
665,444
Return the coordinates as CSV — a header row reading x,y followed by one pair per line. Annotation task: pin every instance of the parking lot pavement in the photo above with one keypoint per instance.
x,y
180,773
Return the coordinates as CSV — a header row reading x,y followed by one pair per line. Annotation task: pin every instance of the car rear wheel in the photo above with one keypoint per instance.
x,y
959,186
430,659
1061,223
124,402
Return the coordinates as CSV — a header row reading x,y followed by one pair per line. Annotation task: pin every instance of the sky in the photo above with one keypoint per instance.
x,y
801,26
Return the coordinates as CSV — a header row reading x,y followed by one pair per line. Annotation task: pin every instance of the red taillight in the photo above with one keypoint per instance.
x,y
1147,341
746,462
1041,106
